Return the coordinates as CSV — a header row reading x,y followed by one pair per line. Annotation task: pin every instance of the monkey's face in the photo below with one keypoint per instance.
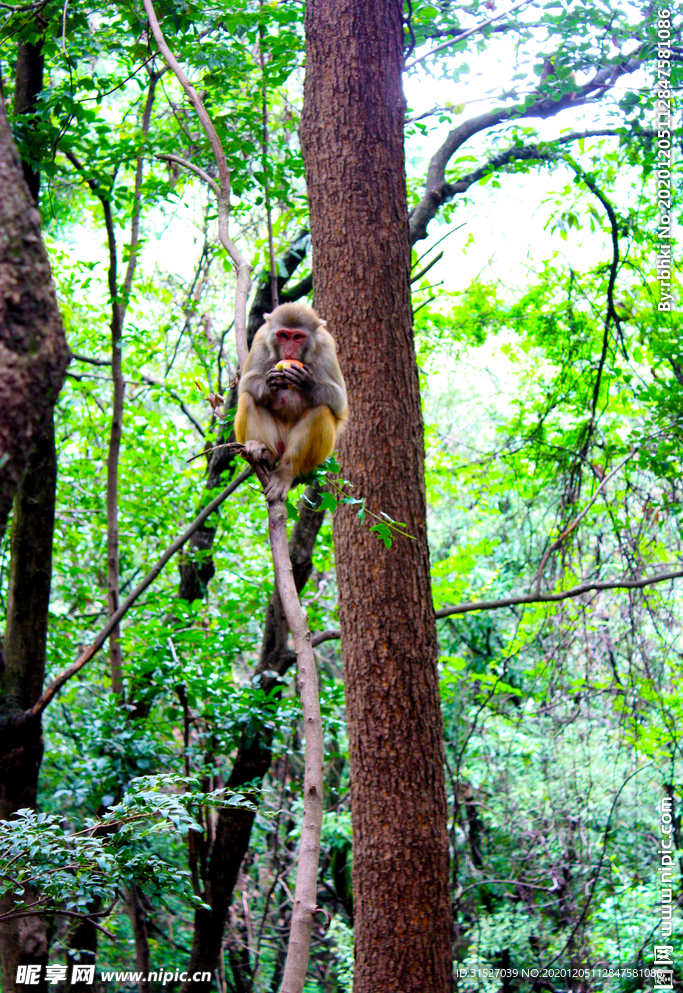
x,y
292,343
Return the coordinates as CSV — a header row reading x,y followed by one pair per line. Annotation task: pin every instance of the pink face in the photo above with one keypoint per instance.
x,y
291,342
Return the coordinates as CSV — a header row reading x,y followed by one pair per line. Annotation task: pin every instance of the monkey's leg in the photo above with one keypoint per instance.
x,y
257,430
308,444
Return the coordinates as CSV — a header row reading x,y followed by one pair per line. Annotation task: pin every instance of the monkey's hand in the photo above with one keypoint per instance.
x,y
300,378
276,380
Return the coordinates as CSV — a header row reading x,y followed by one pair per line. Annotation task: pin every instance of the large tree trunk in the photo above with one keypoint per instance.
x,y
33,357
352,138
24,941
33,350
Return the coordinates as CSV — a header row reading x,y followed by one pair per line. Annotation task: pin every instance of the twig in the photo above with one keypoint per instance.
x,y
332,634
50,692
465,34
577,520
151,381
234,446
242,267
423,272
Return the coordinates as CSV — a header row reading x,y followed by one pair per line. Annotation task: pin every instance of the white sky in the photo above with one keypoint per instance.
x,y
508,224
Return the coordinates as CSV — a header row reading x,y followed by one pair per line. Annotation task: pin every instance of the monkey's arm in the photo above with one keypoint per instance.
x,y
257,378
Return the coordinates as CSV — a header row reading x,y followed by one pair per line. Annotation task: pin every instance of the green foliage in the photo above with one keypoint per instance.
x,y
72,870
547,708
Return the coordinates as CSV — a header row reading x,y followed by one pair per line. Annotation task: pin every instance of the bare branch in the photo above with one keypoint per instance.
x,y
425,270
465,34
577,520
332,634
242,267
50,692
513,601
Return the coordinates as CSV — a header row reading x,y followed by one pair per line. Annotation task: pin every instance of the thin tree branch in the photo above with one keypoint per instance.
x,y
90,359
115,432
513,601
135,220
577,520
242,267
423,272
465,34
611,314
50,692
333,634
172,393
115,435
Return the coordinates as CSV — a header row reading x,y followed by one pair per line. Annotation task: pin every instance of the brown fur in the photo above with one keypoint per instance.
x,y
298,425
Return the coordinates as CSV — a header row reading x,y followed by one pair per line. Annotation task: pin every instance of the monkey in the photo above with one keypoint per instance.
x,y
292,397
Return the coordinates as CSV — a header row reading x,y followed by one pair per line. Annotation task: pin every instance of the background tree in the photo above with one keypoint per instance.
x,y
33,358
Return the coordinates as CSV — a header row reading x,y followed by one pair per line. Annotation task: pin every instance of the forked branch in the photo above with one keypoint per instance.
x,y
222,191
305,903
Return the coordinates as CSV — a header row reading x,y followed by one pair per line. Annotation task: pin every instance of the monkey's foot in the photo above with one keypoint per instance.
x,y
256,451
279,486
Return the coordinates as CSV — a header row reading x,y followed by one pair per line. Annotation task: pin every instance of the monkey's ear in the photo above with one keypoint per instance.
x,y
322,324
267,317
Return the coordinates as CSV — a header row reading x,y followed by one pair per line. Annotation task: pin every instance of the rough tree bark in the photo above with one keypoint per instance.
x,y
21,746
33,350
33,356
352,139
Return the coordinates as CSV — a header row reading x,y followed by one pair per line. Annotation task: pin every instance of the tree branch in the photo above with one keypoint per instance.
x,y
50,692
332,634
513,601
438,191
611,314
242,267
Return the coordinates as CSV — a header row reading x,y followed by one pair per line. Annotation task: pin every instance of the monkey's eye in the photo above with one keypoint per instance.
x,y
298,337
